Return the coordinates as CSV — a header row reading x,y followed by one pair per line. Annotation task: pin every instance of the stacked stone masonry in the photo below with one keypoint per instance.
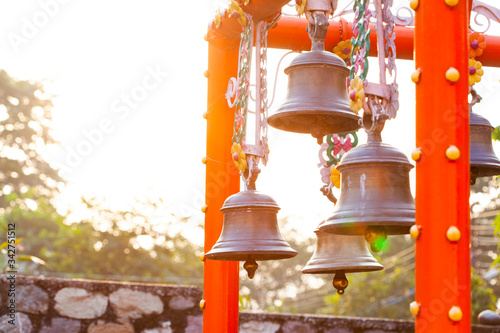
x,y
50,305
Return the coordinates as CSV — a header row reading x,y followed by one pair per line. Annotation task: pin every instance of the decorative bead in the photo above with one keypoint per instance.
x,y
204,208
452,75
415,308
415,76
205,73
474,45
203,303
414,4
202,257
205,115
472,70
451,3
453,234
455,313
416,154
452,153
236,156
352,95
415,231
204,160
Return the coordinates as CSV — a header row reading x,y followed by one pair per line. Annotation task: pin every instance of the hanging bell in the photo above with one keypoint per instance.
x,y
340,254
375,198
483,161
250,231
316,101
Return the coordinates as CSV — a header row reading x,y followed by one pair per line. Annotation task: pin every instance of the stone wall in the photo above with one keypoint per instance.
x,y
51,305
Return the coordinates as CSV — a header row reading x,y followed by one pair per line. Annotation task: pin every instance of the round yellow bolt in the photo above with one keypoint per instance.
x,y
455,313
203,303
204,160
415,231
202,257
205,37
205,73
415,76
416,154
205,115
414,4
452,75
452,153
453,234
415,308
204,208
451,3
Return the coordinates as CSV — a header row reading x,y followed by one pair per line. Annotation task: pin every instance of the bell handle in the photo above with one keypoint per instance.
x,y
317,31
251,172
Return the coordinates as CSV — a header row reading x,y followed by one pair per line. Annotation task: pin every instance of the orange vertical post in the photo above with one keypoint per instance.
x,y
442,191
220,278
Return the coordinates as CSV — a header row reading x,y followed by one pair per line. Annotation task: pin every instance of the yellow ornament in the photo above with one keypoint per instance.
x,y
453,234
335,177
301,7
455,313
415,76
414,308
475,71
415,231
452,75
414,4
356,94
451,3
239,157
452,153
416,154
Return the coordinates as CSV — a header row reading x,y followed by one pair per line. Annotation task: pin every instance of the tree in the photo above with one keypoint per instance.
x,y
25,131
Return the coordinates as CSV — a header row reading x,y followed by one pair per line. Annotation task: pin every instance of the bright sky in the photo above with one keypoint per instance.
x,y
131,94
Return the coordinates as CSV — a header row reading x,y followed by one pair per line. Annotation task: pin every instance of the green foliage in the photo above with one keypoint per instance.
x,y
482,297
495,135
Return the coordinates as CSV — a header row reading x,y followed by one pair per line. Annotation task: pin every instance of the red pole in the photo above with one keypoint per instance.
x,y
221,278
442,192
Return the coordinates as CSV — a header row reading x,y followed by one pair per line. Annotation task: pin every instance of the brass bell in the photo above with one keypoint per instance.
x,y
483,161
375,198
250,231
340,254
316,101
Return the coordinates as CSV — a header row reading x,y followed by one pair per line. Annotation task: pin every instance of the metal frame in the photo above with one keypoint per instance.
x,y
442,267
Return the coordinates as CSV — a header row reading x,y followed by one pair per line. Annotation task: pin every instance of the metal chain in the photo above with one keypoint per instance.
x,y
361,41
390,52
243,85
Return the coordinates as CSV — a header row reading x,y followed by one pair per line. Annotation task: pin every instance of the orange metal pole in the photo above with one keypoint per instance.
x,y
442,191
221,278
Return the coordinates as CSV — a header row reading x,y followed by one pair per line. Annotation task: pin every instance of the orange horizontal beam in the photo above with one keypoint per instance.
x,y
290,33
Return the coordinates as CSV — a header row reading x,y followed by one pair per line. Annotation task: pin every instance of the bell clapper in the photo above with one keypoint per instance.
x,y
250,266
340,282
376,237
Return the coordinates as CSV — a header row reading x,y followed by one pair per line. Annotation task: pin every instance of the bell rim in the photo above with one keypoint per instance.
x,y
354,227
245,255
362,267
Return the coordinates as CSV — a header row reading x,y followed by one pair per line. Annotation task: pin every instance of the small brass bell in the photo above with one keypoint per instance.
x,y
340,254
483,161
375,198
250,231
316,101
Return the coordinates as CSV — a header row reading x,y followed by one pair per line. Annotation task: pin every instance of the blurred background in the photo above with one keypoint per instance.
x,y
101,140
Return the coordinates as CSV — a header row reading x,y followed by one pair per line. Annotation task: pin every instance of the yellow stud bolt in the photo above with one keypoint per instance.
x,y
415,308
204,160
203,303
415,76
205,37
455,314
205,115
451,3
452,153
453,234
416,154
414,4
202,257
205,73
204,208
452,75
415,231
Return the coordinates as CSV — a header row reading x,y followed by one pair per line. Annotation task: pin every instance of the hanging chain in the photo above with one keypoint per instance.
x,y
361,41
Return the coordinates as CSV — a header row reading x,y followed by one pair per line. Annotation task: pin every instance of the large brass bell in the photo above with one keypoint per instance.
x,y
250,231
316,101
483,161
375,198
340,254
